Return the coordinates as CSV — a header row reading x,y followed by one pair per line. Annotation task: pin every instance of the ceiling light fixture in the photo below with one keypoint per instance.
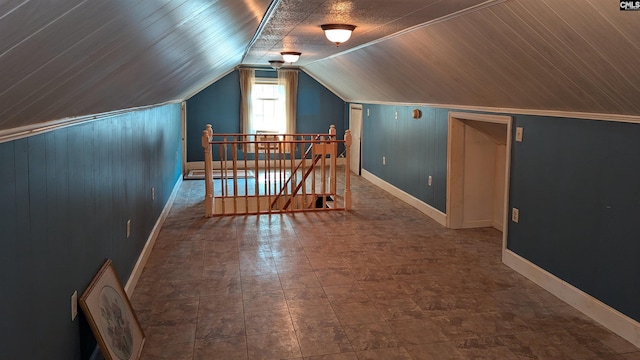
x,y
337,33
290,56
276,64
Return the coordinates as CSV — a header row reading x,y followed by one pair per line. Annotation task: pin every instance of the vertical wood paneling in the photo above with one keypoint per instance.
x,y
63,198
428,152
414,149
440,164
8,220
573,183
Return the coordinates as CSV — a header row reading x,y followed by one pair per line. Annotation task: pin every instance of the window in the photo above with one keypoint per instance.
x,y
275,102
268,106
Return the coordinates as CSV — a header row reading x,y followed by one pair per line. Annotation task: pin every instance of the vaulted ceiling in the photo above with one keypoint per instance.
x,y
67,58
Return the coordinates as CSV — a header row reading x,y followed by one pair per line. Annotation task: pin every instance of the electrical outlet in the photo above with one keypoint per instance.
x,y
515,215
519,131
367,112
74,305
384,160
128,228
430,180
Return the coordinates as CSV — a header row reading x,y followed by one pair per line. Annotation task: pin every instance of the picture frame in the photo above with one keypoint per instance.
x,y
111,316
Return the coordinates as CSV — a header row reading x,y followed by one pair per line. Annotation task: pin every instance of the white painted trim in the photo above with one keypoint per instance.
x,y
435,214
498,119
183,134
607,316
518,111
44,127
477,224
148,246
507,184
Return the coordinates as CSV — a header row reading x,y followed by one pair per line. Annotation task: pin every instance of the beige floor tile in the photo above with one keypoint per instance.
x,y
340,356
378,335
435,351
416,332
281,345
220,326
219,304
380,282
230,348
384,354
340,294
357,313
260,283
305,297
313,317
167,351
299,280
323,341
263,322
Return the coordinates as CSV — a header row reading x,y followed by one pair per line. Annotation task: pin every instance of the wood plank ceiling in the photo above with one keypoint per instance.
x,y
66,58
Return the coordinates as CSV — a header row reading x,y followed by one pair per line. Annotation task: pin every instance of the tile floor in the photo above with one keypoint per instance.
x,y
380,282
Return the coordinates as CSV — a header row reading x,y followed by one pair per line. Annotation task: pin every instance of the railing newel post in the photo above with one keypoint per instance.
x,y
208,170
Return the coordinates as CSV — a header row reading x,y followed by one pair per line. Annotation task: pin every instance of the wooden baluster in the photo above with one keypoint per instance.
x,y
223,184
333,161
243,138
303,178
256,172
234,160
347,170
323,172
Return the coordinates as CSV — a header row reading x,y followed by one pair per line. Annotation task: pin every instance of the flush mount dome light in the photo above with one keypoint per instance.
x,y
337,33
290,56
276,64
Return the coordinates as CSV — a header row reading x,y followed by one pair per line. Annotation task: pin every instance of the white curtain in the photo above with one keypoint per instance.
x,y
247,78
289,79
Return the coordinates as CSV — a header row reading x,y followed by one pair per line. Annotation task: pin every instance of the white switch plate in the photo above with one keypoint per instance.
x,y
430,180
384,160
519,131
367,112
153,193
74,305
396,115
515,215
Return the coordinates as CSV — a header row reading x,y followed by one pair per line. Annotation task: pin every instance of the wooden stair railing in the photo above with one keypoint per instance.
x,y
302,181
305,187
294,172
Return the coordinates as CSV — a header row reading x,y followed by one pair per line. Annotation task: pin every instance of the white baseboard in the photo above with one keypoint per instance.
x,y
607,316
148,246
427,209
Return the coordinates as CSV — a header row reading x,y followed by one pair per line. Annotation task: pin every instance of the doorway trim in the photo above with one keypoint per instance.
x,y
455,164
352,107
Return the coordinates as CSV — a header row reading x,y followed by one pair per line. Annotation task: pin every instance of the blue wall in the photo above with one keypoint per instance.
x,y
414,149
574,181
219,105
65,198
